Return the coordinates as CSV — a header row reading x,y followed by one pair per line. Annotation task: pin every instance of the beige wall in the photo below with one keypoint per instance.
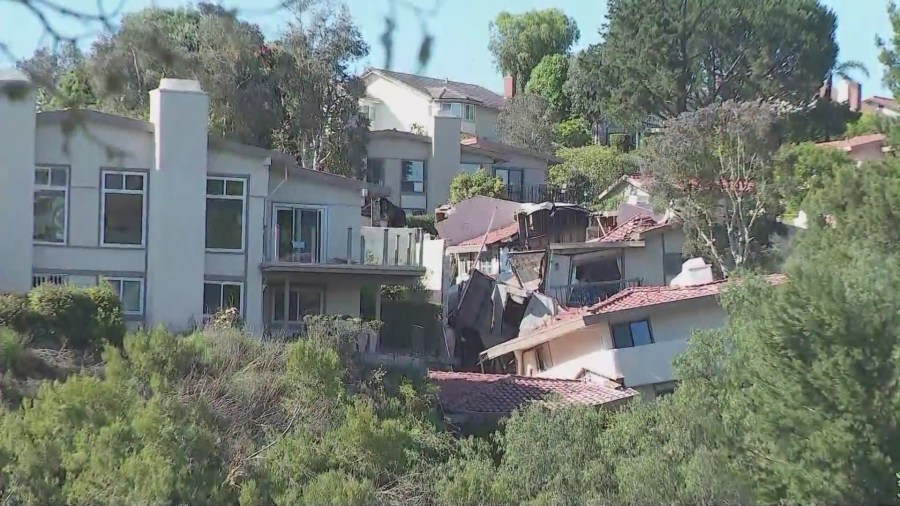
x,y
398,107
591,348
486,122
535,170
647,263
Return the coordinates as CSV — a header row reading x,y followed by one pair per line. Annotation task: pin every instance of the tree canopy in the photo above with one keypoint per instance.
x,y
548,80
590,170
520,41
528,121
660,59
467,185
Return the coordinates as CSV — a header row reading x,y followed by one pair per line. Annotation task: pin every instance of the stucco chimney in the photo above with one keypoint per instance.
x,y
17,151
509,86
694,271
445,153
854,96
176,210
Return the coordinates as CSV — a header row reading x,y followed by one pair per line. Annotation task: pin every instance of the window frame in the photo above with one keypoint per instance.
x,y
424,181
629,323
465,112
121,290
49,187
243,198
53,279
143,193
379,162
323,230
450,106
287,303
222,285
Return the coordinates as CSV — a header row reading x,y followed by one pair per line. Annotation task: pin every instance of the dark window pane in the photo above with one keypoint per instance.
x,y
112,181
58,177
231,296
375,170
309,235
42,176
234,188
413,171
284,220
49,215
310,302
622,336
224,223
640,333
294,306
131,296
278,302
212,293
123,220
672,264
215,187
134,182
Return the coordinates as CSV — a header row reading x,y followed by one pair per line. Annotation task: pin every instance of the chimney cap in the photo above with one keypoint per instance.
x,y
185,85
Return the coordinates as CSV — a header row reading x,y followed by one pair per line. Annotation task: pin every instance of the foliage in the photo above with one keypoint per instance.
x,y
527,121
520,41
573,133
825,120
74,91
713,169
890,51
467,185
64,314
12,349
872,123
108,322
548,80
590,170
423,221
802,168
14,312
660,59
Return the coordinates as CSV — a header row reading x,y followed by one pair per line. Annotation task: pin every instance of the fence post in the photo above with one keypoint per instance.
x,y
362,249
420,244
397,251
409,246
349,245
384,256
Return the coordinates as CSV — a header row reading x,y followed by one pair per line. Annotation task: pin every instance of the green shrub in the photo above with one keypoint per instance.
x,y
338,489
109,323
423,221
14,312
12,349
63,314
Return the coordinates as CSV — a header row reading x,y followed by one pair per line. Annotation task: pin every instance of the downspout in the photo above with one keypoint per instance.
x,y
268,200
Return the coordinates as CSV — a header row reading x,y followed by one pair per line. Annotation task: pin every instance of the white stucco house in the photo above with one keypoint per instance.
x,y
180,222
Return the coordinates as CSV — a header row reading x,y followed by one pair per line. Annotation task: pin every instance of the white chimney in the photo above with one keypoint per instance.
x,y
176,204
694,271
17,152
445,157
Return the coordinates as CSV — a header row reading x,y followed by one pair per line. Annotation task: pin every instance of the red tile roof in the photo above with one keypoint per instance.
x,y
494,236
504,393
879,102
854,142
630,230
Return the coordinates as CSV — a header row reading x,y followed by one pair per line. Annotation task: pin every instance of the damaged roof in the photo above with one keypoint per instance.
x,y
465,392
494,236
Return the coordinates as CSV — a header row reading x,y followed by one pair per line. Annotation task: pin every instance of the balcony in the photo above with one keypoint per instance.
x,y
392,253
642,365
587,294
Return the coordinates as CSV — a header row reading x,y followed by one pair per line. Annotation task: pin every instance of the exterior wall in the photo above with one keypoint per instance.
x,y
866,153
534,170
342,298
591,348
397,107
445,159
486,122
647,263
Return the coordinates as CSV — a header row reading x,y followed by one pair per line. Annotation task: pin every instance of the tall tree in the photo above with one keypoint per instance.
x,y
890,51
47,69
320,93
713,168
520,41
527,121
659,59
548,80
804,168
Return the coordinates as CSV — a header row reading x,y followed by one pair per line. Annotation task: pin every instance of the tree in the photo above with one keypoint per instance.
x,y
589,170
520,41
573,133
872,123
889,55
465,186
823,121
74,91
713,168
660,59
47,68
803,168
548,80
527,121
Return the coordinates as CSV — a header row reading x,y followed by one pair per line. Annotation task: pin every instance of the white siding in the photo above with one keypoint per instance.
x,y
398,107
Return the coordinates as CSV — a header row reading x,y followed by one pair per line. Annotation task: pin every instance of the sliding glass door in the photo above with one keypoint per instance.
x,y
299,234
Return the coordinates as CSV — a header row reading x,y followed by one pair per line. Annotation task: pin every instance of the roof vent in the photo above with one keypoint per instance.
x,y
694,271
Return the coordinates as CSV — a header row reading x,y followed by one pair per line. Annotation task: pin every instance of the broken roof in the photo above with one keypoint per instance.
x,y
494,236
464,392
445,89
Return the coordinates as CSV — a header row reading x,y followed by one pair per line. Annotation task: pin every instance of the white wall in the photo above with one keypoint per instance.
x,y
486,122
400,107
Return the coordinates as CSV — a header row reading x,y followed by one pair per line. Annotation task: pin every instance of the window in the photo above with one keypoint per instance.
x,y
454,107
469,112
299,236
51,199
131,292
123,212
53,279
301,302
514,180
367,111
631,334
413,176
542,353
225,200
469,168
672,264
375,170
219,296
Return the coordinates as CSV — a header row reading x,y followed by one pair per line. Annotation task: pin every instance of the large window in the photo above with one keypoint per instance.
x,y
672,264
514,180
628,335
413,176
123,211
375,170
51,198
131,292
300,302
469,112
225,200
220,296
299,234
454,107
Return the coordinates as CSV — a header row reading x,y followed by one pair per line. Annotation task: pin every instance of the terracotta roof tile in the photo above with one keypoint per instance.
x,y
504,393
854,142
630,230
879,102
494,236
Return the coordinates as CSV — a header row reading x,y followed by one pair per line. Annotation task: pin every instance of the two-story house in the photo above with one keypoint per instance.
x,y
180,222
425,131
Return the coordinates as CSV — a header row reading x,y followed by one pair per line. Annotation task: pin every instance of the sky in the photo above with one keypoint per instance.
x,y
459,27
